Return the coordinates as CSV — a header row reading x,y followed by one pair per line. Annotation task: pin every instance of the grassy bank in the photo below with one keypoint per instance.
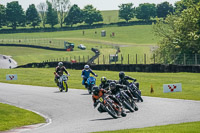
x,y
125,35
29,55
12,117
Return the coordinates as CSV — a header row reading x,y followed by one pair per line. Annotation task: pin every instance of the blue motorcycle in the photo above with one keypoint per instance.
x,y
91,81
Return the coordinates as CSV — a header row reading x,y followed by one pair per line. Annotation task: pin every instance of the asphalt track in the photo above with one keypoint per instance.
x,y
73,112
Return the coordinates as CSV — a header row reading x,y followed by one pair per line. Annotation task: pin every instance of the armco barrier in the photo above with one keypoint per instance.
x,y
120,67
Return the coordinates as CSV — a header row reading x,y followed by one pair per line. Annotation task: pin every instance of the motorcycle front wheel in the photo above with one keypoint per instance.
x,y
65,86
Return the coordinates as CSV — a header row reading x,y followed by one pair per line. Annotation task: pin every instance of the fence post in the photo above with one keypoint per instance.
x,y
184,60
83,59
103,60
109,58
116,58
79,59
195,59
144,58
136,58
121,59
154,60
98,60
128,58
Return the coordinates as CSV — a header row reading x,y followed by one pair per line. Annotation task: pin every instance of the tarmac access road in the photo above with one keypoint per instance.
x,y
73,112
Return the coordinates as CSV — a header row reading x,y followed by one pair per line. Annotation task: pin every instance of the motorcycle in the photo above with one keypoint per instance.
x,y
91,81
135,91
126,101
110,106
62,81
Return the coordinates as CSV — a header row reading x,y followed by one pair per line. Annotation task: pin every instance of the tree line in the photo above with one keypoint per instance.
x,y
179,33
61,12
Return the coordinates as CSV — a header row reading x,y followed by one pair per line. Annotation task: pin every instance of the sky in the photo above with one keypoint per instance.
x,y
98,4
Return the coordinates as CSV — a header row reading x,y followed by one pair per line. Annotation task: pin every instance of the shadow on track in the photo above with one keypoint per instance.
x,y
86,94
59,92
110,118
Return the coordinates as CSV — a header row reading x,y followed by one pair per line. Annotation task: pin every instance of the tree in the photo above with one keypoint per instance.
x,y
15,14
184,4
146,11
180,34
91,15
126,11
2,15
164,9
42,7
32,16
62,7
74,16
52,16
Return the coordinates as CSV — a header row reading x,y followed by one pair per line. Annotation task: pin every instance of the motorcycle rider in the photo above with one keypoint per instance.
x,y
115,88
59,72
105,83
124,79
86,74
97,93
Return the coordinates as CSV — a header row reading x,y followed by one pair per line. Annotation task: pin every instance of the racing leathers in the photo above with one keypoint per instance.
x,y
124,81
85,75
59,72
100,94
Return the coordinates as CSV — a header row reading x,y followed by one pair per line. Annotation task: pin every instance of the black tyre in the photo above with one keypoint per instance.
x,y
138,96
65,86
127,106
60,89
134,106
111,111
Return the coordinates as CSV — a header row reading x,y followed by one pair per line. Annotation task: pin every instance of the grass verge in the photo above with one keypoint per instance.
x,y
12,117
192,127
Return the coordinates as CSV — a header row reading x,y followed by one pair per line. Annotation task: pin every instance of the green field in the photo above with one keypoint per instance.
x,y
12,117
132,40
29,55
128,35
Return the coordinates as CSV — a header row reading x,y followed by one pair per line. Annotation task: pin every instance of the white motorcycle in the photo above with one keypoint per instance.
x,y
63,83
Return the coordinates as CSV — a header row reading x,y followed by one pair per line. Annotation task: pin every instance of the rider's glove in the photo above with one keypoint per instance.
x,y
96,75
68,74
134,80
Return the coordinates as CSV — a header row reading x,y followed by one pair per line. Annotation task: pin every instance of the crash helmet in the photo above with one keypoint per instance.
x,y
95,90
86,67
103,80
60,64
121,75
112,86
